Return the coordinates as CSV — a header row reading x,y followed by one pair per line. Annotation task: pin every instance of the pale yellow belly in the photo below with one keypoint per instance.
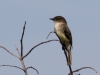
x,y
64,40
62,37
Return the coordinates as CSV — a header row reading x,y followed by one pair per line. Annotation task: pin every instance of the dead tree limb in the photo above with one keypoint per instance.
x,y
37,46
21,59
9,52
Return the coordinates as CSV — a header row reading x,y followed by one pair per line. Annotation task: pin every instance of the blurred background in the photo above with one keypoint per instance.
x,y
83,19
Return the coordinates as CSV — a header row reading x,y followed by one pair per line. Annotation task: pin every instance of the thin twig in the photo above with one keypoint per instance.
x,y
38,45
22,39
9,52
85,68
49,34
17,50
12,66
33,68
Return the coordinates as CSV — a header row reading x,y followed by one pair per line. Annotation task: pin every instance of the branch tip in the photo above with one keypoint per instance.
x,y
9,52
84,68
33,68
49,34
12,66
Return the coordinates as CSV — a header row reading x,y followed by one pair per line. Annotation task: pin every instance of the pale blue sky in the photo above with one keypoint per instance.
x,y
83,19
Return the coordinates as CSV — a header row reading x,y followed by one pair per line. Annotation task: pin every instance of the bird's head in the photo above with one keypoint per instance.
x,y
58,19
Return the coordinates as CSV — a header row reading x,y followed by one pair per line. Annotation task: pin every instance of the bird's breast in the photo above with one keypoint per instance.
x,y
60,33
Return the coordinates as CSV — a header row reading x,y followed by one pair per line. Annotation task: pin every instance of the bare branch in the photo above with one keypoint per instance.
x,y
22,39
12,66
21,55
9,52
33,68
37,46
17,50
23,65
49,34
85,68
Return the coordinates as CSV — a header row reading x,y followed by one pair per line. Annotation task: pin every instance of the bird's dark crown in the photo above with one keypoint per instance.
x,y
58,18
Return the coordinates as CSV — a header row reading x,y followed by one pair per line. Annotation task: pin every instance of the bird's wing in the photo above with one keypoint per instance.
x,y
67,33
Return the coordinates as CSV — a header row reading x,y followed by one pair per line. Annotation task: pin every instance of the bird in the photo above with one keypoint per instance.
x,y
63,32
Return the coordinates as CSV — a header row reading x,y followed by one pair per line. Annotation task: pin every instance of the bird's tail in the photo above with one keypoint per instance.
x,y
69,62
69,54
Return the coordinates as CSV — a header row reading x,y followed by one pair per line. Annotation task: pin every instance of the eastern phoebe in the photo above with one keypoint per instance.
x,y
64,34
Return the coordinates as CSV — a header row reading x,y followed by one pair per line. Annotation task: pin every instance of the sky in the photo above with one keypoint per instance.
x,y
83,18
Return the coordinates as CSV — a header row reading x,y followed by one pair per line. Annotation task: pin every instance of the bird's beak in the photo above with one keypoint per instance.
x,y
51,19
